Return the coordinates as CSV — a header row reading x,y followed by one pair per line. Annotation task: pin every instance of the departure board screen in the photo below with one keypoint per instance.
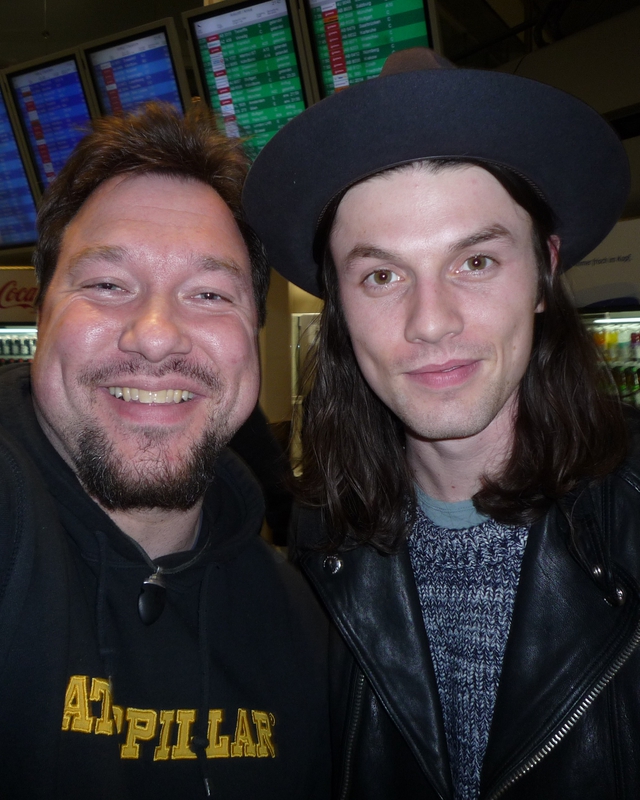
x,y
353,38
17,205
251,69
53,112
131,72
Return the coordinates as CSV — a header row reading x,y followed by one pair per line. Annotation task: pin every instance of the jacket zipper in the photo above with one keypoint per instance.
x,y
357,710
559,735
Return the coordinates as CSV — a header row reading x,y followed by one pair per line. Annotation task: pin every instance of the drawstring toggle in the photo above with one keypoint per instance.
x,y
151,598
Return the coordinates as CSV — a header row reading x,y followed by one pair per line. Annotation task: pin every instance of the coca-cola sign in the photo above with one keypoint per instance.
x,y
12,295
18,291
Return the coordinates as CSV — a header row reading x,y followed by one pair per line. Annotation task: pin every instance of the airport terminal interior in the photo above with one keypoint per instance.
x,y
259,63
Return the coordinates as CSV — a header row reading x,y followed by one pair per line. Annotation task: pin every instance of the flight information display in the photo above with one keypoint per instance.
x,y
53,111
251,69
128,73
353,38
17,206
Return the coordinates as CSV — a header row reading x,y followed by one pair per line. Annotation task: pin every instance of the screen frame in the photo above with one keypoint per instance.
x,y
166,26
41,63
433,34
310,92
21,250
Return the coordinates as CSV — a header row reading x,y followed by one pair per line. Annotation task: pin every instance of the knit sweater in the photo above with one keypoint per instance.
x,y
467,582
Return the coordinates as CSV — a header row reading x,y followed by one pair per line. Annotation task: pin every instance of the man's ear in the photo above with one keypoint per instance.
x,y
553,243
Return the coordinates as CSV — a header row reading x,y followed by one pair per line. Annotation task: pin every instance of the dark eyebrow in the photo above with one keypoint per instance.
x,y
212,264
105,252
115,254
366,251
484,235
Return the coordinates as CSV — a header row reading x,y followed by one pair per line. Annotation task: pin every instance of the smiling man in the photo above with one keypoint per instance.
x,y
152,644
472,509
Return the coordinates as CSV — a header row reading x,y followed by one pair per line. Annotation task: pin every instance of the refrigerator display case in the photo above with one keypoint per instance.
x,y
617,335
17,343
18,332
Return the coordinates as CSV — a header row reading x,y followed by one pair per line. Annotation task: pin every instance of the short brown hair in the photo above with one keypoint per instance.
x,y
157,139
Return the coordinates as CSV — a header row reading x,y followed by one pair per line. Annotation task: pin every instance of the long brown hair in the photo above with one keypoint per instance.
x,y
567,427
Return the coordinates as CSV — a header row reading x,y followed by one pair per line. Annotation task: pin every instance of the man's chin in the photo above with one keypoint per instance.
x,y
448,427
150,479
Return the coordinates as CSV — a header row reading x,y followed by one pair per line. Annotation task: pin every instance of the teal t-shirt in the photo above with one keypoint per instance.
x,y
454,516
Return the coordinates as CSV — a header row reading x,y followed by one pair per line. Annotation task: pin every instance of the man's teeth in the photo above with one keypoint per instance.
x,y
143,396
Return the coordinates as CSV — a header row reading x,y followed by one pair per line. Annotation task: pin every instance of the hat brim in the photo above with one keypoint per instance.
x,y
554,140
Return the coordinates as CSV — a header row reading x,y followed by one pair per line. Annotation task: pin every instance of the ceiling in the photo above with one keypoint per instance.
x,y
488,33
480,33
34,28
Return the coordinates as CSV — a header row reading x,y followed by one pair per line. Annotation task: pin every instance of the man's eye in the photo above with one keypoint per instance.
x,y
104,286
381,277
210,296
477,263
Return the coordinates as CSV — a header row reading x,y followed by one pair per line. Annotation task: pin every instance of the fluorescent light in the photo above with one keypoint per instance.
x,y
614,320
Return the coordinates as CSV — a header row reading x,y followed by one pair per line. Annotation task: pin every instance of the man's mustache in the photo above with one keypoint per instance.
x,y
175,365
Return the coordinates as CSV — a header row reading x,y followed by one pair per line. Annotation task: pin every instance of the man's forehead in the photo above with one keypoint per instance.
x,y
379,192
151,192
152,206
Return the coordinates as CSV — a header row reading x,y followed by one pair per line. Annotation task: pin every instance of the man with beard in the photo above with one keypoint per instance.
x,y
152,645
472,526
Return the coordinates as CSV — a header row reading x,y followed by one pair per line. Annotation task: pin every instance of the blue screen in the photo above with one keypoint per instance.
x,y
17,206
54,113
133,72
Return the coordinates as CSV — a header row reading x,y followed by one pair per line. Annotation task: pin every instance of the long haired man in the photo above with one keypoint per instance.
x,y
470,501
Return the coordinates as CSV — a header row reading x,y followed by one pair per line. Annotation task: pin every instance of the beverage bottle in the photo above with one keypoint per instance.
x,y
632,385
619,379
624,345
611,344
599,338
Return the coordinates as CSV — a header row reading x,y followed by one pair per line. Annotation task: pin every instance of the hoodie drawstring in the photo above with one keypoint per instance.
x,y
200,740
105,648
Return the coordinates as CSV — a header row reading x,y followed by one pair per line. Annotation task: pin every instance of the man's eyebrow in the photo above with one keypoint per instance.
x,y
366,251
212,264
485,235
116,254
105,252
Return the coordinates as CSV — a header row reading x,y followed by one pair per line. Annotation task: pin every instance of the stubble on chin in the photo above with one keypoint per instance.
x,y
156,477
452,419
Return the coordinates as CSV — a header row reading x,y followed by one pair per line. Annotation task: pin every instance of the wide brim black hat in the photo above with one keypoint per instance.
x,y
556,142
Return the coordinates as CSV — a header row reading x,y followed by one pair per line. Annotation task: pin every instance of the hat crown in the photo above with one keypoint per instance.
x,y
424,108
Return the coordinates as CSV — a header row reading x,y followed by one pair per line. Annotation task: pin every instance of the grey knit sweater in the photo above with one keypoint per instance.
x,y
467,582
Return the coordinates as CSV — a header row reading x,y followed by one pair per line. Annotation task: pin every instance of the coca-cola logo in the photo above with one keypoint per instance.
x,y
14,296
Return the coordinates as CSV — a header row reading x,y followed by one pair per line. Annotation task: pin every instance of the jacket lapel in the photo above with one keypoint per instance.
x,y
374,602
563,637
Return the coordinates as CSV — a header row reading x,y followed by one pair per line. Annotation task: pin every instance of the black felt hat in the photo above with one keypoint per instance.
x,y
421,107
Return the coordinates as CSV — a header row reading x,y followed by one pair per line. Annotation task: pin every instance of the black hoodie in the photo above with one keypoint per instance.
x,y
225,692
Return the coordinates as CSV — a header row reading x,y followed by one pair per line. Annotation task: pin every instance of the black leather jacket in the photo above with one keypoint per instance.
x,y
567,715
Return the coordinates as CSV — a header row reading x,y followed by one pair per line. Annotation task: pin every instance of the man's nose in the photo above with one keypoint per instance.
x,y
155,331
434,312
